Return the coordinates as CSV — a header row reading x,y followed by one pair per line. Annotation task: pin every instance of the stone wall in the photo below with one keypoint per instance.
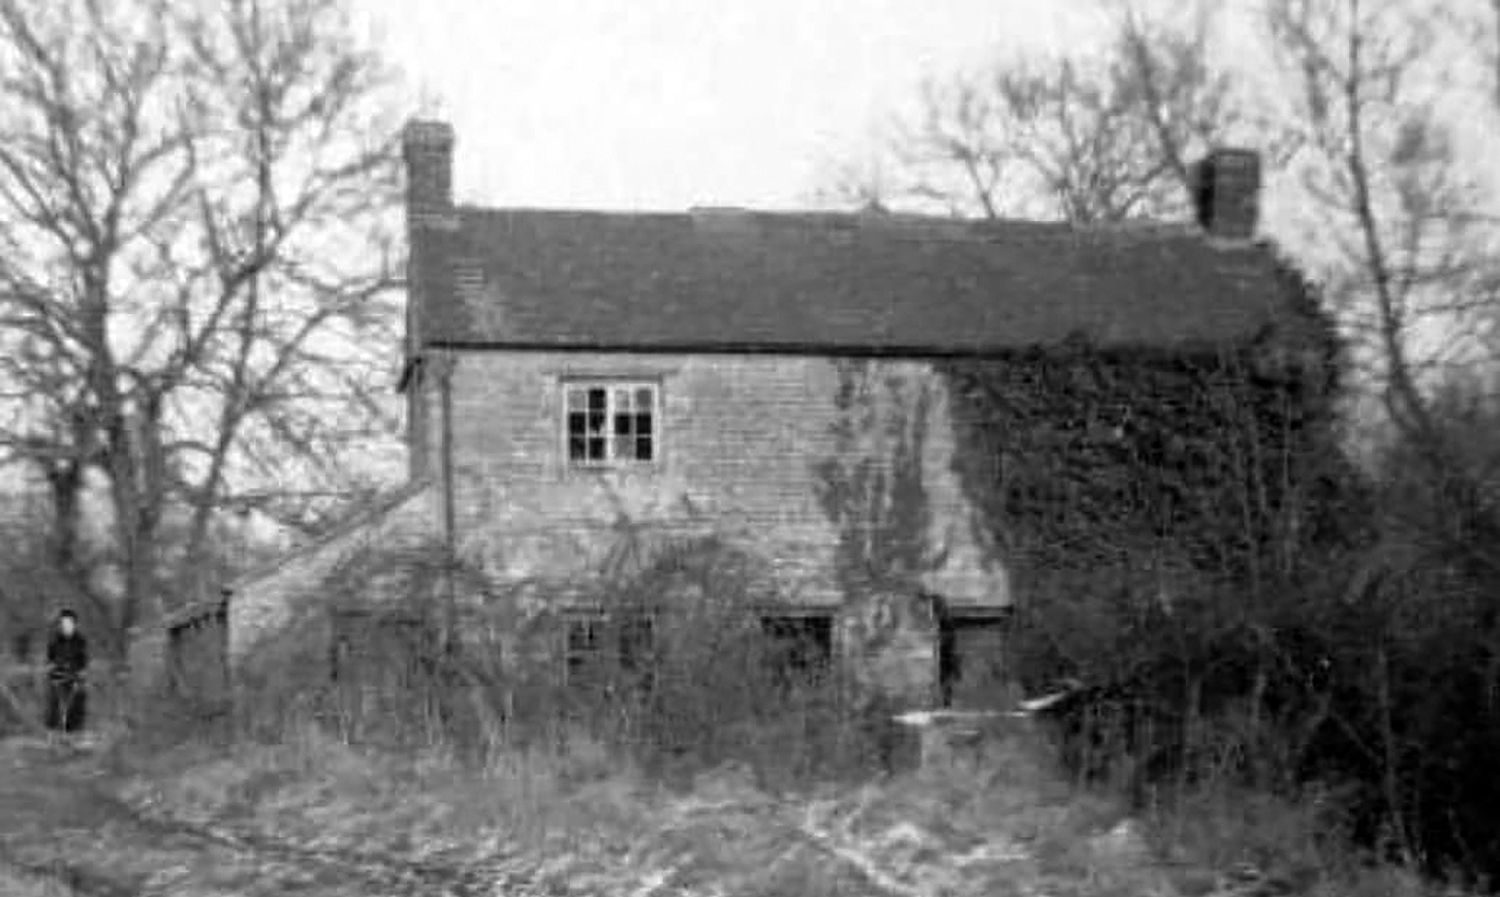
x,y
804,462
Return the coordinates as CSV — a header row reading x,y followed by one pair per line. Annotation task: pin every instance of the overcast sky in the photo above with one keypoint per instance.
x,y
665,104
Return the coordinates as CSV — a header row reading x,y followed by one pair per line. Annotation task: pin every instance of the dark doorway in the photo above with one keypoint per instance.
x,y
972,655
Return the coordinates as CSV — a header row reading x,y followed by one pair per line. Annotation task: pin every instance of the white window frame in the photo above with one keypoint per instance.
x,y
612,387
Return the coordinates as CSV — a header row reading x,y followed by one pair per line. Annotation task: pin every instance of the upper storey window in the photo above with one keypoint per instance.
x,y
611,423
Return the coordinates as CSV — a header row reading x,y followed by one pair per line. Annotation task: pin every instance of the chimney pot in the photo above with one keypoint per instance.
x,y
1226,195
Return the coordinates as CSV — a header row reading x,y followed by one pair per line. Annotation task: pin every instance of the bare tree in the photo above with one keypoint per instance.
x,y
1093,138
193,279
1495,47
1408,232
1410,226
1489,36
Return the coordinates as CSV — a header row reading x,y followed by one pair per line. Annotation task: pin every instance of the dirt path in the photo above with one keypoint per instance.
x,y
63,832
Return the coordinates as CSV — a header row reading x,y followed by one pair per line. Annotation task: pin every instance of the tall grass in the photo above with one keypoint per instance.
x,y
681,676
1217,776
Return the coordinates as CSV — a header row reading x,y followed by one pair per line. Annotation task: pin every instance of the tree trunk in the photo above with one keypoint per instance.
x,y
1391,756
65,481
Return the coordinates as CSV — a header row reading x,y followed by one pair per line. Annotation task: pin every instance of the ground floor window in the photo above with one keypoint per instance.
x,y
597,647
972,657
581,646
600,649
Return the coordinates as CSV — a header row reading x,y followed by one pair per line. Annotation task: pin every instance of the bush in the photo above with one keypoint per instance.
x,y
682,675
1246,608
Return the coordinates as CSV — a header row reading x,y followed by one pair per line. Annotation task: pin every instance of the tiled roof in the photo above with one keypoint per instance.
x,y
820,281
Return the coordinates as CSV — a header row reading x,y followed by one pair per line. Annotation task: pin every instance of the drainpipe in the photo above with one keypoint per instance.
x,y
450,529
221,618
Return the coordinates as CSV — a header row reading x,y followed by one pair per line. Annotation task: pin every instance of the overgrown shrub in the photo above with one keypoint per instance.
x,y
1243,606
682,676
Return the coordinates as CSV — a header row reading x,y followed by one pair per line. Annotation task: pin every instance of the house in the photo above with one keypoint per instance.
x,y
771,378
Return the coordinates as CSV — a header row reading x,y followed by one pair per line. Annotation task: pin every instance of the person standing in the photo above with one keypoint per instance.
x,y
67,658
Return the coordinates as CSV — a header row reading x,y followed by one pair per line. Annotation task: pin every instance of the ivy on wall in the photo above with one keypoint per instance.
x,y
1221,461
871,485
1082,458
1132,489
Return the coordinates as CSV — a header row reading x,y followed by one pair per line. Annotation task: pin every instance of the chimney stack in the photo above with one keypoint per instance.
x,y
427,148
1226,192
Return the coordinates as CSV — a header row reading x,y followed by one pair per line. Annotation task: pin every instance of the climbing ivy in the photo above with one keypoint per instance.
x,y
871,486
1150,500
1084,457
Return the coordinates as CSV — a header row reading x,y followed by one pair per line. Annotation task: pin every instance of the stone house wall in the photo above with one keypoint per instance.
x,y
749,445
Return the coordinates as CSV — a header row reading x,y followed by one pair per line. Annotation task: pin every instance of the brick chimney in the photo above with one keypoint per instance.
x,y
1226,192
427,148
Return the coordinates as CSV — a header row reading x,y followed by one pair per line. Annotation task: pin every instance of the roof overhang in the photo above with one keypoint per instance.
x,y
828,350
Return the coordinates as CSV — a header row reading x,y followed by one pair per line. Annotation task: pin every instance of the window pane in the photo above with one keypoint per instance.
x,y
582,635
610,422
582,650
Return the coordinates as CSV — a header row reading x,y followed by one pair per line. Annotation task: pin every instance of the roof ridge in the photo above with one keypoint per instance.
x,y
365,512
490,211
874,219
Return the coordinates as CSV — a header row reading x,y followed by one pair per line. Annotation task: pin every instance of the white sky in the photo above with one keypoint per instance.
x,y
666,104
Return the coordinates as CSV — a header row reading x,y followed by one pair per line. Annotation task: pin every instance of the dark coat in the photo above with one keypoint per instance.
x,y
67,655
